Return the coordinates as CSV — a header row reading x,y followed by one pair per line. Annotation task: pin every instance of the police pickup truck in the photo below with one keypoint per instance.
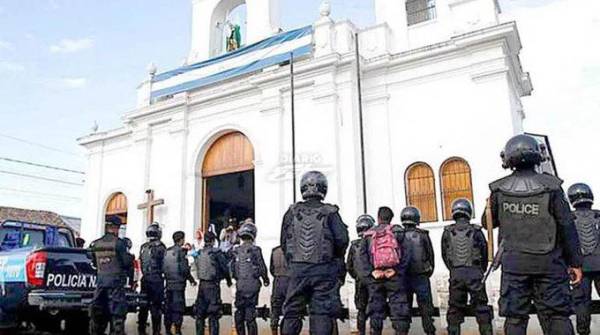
x,y
46,283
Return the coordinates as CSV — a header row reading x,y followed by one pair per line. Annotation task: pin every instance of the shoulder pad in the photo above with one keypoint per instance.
x,y
517,184
397,228
331,208
449,227
276,248
423,231
476,226
596,213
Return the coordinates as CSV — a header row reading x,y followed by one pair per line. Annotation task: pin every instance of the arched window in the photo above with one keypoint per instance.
x,y
455,183
117,205
420,190
419,11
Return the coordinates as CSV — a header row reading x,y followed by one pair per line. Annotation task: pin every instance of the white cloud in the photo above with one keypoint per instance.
x,y
73,82
68,45
10,67
4,45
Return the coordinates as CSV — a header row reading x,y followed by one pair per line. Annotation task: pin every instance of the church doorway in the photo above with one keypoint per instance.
x,y
117,205
228,182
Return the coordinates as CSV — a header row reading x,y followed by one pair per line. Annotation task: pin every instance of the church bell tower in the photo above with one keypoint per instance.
x,y
209,17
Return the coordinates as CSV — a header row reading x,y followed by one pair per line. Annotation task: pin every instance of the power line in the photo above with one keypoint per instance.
x,y
12,160
38,193
43,146
40,178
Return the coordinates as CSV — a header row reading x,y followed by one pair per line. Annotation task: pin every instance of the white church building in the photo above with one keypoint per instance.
x,y
440,89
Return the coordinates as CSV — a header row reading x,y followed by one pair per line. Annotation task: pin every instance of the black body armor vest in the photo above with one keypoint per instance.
x,y
105,251
526,224
587,223
246,262
151,258
279,266
414,241
462,249
173,265
205,265
310,235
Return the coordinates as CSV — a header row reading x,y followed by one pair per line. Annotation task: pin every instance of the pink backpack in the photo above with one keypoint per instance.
x,y
385,251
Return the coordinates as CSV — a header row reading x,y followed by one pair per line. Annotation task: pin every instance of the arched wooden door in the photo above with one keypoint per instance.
x,y
227,182
117,205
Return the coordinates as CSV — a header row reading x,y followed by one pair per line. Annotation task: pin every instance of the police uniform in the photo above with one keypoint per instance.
x,y
279,270
152,254
248,268
109,257
464,251
313,238
420,269
211,268
587,223
540,241
177,272
361,291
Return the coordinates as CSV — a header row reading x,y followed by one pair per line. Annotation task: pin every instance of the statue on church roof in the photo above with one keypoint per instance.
x,y
234,39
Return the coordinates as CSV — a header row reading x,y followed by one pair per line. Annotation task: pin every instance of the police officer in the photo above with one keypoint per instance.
x,y
152,255
587,222
421,265
313,239
130,282
279,270
177,272
464,251
109,257
386,284
361,291
248,268
540,241
211,267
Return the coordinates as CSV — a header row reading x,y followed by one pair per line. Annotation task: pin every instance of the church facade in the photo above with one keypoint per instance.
x,y
441,85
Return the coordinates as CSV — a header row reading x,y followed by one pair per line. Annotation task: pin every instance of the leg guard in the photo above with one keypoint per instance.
x,y
515,326
454,329
291,326
376,326
156,324
240,325
321,325
142,321
401,327
561,325
214,325
361,321
117,326
199,326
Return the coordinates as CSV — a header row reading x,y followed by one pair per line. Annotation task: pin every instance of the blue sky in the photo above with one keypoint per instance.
x,y
67,63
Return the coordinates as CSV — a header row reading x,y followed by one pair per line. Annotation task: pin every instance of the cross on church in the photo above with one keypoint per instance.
x,y
149,206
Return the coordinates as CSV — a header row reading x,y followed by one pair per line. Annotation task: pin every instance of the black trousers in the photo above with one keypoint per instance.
x,y
420,286
280,287
389,293
155,293
582,297
550,294
465,285
208,305
321,294
361,301
175,307
108,306
245,311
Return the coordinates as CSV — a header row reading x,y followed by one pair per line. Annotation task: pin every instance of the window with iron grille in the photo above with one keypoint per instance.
x,y
420,190
420,11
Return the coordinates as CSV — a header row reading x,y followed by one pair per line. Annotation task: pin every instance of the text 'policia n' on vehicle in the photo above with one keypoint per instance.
x,y
46,282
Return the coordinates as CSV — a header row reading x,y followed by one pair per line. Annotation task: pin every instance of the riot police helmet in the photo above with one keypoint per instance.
x,y
522,152
153,232
313,185
364,223
113,220
410,216
462,208
580,194
248,230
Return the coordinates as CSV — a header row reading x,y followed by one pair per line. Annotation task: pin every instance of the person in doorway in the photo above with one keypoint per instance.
x,y
177,273
248,269
152,255
421,266
587,222
361,291
110,258
464,251
313,238
211,268
281,278
383,263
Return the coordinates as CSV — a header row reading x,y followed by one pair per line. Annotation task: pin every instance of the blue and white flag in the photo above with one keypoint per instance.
x,y
254,57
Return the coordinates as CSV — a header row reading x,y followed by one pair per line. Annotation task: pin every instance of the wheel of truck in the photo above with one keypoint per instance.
x,y
77,323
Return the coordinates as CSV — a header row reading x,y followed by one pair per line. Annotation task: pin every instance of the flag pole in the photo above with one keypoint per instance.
x,y
361,124
293,115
